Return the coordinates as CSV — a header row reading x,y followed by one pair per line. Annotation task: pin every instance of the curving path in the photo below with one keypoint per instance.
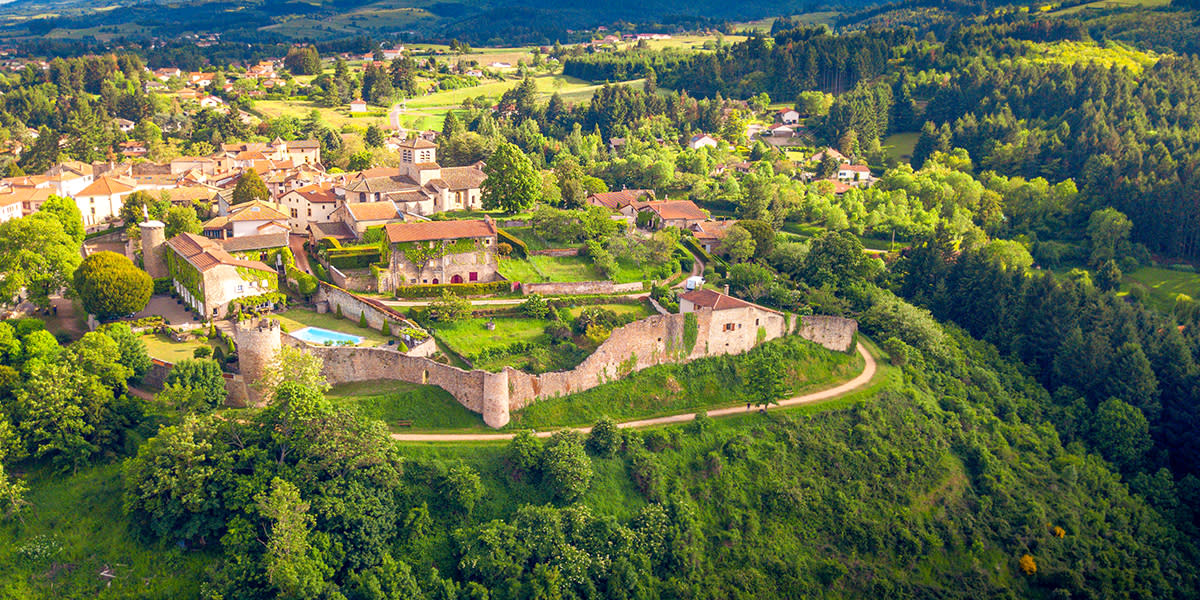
x,y
862,379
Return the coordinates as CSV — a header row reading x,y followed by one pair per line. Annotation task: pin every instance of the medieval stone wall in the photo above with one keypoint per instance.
x,y
376,312
835,333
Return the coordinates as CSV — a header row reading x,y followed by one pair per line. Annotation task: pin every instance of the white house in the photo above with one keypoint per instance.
x,y
249,219
309,204
702,140
855,174
125,125
358,106
788,116
102,199
210,102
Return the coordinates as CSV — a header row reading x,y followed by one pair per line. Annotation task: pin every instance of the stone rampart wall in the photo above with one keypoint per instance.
x,y
835,333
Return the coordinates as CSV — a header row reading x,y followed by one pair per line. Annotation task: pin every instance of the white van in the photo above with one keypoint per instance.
x,y
693,283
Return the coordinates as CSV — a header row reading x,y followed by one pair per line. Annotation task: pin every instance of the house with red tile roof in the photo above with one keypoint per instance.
x,y
431,252
101,200
311,203
669,213
733,325
208,277
420,186
617,200
248,219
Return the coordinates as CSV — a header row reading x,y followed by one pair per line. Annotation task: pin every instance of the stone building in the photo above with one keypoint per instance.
x,y
421,186
431,252
734,324
209,278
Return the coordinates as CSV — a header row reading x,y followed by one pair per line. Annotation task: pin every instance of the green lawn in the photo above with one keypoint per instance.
x,y
677,388
637,310
428,407
298,318
164,348
900,145
470,336
540,269
81,515
1163,285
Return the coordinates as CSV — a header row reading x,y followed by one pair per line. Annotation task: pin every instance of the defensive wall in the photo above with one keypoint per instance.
x,y
580,288
655,340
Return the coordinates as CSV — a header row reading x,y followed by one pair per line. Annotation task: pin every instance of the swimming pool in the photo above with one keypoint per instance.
x,y
316,335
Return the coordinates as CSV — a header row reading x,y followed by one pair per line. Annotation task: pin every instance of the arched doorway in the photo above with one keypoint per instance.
x,y
456,279
435,281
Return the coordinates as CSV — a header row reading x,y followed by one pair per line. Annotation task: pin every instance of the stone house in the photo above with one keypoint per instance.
x,y
209,278
734,325
420,186
356,219
668,213
311,203
251,218
709,234
431,252
616,201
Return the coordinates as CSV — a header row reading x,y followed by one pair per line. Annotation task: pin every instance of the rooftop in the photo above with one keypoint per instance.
x,y
206,254
440,230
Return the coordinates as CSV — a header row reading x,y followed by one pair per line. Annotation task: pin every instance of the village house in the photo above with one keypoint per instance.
x,y
11,206
312,203
701,140
420,186
431,252
296,151
734,325
357,217
857,175
668,213
133,149
70,177
166,73
30,193
710,234
358,106
200,80
838,156
248,219
125,125
101,200
615,201
209,278
788,116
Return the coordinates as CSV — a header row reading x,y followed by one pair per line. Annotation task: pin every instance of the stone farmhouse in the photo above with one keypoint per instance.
x,y
669,213
615,201
421,186
710,234
432,252
352,220
208,277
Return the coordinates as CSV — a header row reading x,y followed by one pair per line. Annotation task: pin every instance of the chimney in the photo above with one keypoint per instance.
x,y
725,290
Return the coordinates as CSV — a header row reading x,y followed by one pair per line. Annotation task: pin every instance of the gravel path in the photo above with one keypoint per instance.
x,y
862,379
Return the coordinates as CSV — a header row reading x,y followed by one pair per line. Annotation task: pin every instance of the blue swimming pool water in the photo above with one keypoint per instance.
x,y
316,335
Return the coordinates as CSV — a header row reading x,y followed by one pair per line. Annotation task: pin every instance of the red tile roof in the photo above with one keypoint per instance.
x,y
714,300
206,254
676,209
439,230
618,200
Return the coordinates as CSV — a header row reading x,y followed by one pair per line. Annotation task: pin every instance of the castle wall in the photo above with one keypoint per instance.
x,y
353,306
258,341
580,288
835,333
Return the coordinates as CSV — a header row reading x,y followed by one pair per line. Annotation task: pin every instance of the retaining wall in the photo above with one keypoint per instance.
x,y
580,288
835,333
555,252
376,312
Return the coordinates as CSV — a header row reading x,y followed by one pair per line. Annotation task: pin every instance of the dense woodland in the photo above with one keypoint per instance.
x,y
1032,434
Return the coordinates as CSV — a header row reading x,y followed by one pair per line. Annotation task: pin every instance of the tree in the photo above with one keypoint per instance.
x,y
181,219
292,563
36,255
373,137
835,257
250,187
303,60
67,213
512,184
566,468
763,233
766,378
1107,229
292,365
360,161
604,439
462,487
738,244
202,377
109,285
136,205
1009,255
1108,276
523,454
1121,433
535,306
750,280
134,353
449,308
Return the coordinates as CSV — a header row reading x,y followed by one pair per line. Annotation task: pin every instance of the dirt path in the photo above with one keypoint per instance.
x,y
697,269
862,379
296,243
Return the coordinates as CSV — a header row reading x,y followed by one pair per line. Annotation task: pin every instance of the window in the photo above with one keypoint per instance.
x,y
294,213
310,212
473,276
240,287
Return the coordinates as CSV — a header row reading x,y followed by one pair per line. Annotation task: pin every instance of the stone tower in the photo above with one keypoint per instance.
x,y
154,238
258,341
495,399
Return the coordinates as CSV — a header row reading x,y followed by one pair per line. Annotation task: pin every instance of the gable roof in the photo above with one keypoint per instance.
x,y
316,194
675,209
206,254
712,230
440,230
463,178
105,186
619,200
716,300
373,211
256,210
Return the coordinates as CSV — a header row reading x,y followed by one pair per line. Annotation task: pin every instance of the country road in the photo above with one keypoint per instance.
x,y
862,379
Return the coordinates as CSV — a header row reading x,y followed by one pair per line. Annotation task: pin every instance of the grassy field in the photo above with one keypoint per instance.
x,y
638,311
900,145
1108,4
428,407
1163,285
540,269
68,514
470,336
299,318
672,389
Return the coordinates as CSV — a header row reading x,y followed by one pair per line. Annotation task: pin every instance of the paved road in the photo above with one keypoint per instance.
x,y
859,381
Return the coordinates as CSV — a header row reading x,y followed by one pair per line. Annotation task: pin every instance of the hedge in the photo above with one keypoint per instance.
x,y
164,285
461,289
353,258
520,250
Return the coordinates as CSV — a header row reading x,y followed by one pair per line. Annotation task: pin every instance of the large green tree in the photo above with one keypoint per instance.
x,y
250,187
37,258
181,219
512,184
110,285
67,213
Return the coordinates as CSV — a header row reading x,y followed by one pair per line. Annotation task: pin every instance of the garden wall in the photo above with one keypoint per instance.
x,y
356,279
377,313
580,288
557,252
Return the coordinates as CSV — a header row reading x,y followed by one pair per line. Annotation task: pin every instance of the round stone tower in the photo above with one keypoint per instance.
x,y
258,341
154,238
495,399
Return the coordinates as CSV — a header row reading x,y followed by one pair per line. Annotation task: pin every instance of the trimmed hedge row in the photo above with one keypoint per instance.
x,y
430,290
520,250
359,257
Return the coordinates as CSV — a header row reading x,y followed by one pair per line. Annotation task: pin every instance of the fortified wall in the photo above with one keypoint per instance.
x,y
352,306
659,339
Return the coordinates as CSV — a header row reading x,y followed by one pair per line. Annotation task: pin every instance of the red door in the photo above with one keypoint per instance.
x,y
456,279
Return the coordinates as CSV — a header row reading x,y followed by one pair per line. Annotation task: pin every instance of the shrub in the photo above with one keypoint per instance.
x,y
449,308
517,247
1028,566
163,285
523,454
202,352
605,438
504,248
535,306
387,327
566,468
362,319
458,289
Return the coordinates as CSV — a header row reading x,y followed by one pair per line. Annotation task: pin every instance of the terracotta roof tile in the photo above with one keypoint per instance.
x,y
205,254
440,230
373,211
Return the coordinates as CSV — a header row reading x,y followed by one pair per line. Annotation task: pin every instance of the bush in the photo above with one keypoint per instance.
x,y
357,257
362,319
457,289
163,285
605,438
518,248
202,352
449,308
504,248
535,306
110,285
566,468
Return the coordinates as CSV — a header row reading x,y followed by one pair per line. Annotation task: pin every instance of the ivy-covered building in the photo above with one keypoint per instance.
x,y
209,278
431,252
